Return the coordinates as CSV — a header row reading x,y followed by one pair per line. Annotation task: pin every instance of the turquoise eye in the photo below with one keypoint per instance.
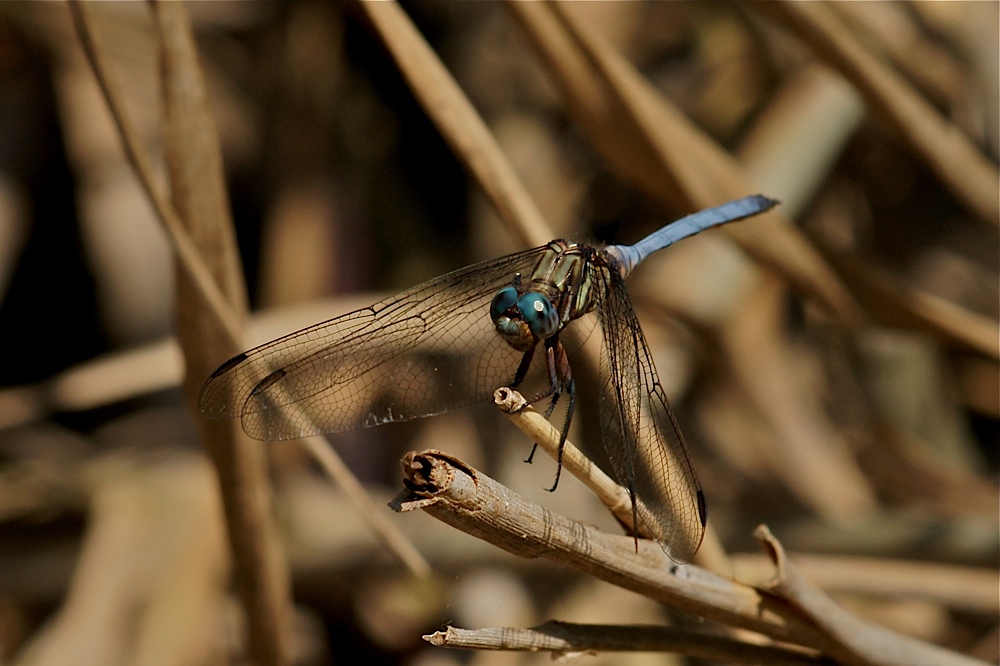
x,y
537,310
502,302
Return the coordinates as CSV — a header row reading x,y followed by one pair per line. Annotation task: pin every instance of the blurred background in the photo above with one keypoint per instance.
x,y
875,439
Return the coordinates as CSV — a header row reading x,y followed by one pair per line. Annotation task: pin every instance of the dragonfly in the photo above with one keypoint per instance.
x,y
453,340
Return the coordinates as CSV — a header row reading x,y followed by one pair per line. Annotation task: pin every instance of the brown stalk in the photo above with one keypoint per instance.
x,y
189,256
194,164
195,169
374,515
652,144
539,430
867,643
568,638
462,497
807,453
208,326
970,176
616,498
458,122
896,305
968,588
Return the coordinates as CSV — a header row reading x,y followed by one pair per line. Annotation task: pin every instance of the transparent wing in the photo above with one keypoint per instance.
x,y
642,438
425,351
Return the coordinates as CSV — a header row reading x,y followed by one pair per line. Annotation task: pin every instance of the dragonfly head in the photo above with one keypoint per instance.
x,y
523,319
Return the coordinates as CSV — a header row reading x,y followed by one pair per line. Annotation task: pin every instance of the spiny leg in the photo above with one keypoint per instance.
x,y
555,381
569,384
555,393
552,403
555,384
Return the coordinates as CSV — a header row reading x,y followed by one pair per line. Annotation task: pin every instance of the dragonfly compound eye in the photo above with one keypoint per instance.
x,y
503,301
537,310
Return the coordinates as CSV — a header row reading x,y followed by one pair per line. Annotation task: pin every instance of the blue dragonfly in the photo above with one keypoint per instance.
x,y
453,340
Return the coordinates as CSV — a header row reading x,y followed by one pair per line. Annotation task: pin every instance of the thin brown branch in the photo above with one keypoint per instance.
x,y
807,453
462,497
967,588
614,496
208,324
947,151
375,516
893,304
198,192
865,642
566,637
539,430
156,366
458,122
652,144
189,257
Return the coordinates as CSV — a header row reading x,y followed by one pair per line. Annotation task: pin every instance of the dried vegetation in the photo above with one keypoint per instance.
x,y
834,363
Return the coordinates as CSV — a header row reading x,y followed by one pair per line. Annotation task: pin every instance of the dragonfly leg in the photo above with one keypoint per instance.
x,y
552,348
552,404
568,384
560,380
555,385
522,369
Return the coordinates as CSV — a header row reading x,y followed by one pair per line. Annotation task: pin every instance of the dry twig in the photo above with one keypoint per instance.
x,y
476,504
568,638
959,165
454,493
210,321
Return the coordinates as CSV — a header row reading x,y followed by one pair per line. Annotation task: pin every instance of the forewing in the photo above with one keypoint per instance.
x,y
428,350
643,441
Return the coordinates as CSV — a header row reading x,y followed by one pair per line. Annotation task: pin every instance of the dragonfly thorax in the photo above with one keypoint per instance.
x,y
557,292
